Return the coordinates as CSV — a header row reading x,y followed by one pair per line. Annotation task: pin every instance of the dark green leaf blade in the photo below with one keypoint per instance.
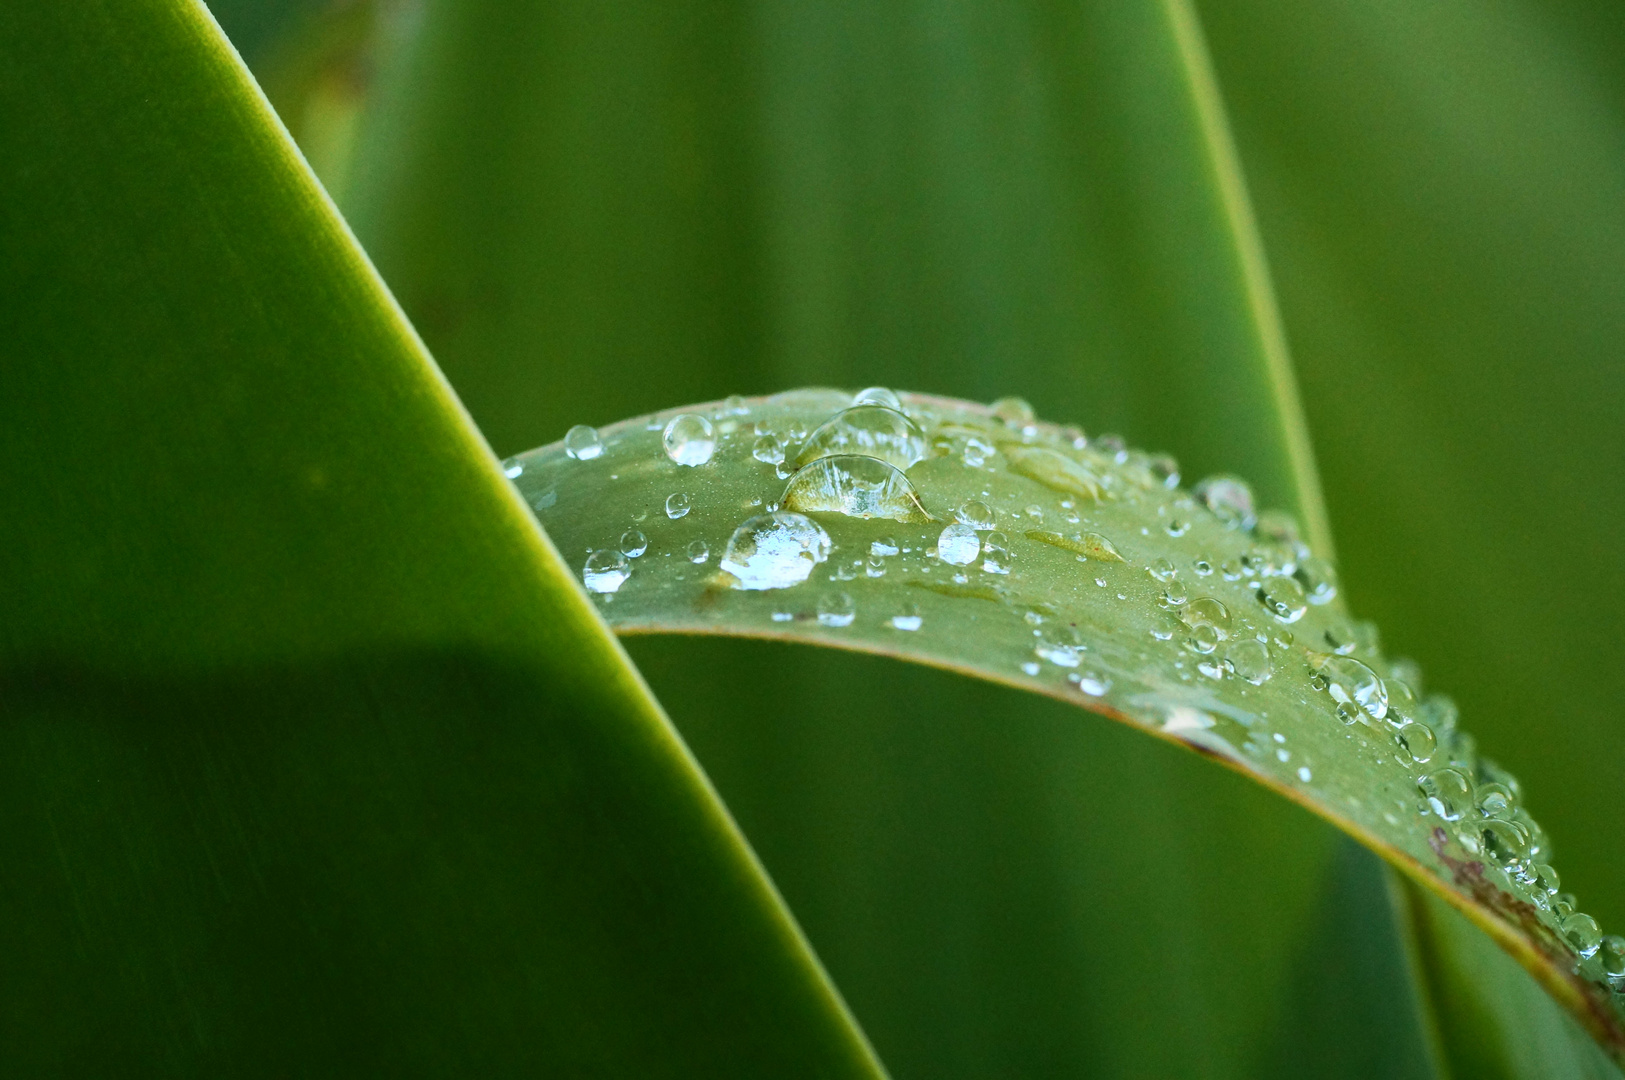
x,y
315,759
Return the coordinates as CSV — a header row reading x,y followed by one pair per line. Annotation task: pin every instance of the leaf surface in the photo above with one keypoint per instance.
x,y
983,541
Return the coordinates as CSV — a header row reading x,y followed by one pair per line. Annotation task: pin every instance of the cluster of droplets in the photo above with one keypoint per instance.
x,y
1239,618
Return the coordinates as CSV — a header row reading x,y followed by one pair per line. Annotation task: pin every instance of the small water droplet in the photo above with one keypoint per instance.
x,y
1059,644
768,449
1582,933
1448,792
582,443
1545,879
996,556
883,547
689,439
1203,567
1177,527
1164,470
1031,667
1318,579
1035,513
908,619
1505,842
1162,570
1339,637
1348,680
676,505
1611,951
1283,598
854,485
774,551
1494,800
699,551
605,571
877,395
1204,639
976,452
836,609
1013,412
1250,660
1417,742
958,545
1207,611
512,469
1174,595
633,543
734,405
1304,774
1229,498
874,566
976,514
1092,683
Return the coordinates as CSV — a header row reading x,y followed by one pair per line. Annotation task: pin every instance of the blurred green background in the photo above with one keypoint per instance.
x,y
598,211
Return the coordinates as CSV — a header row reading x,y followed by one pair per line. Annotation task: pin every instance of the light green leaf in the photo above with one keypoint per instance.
x,y
983,541
314,759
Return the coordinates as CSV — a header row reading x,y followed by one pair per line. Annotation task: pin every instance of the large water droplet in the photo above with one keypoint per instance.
x,y
689,439
1349,681
1505,842
1230,499
774,551
1282,598
958,545
676,505
582,443
1494,800
1207,611
836,609
605,571
633,543
854,485
1582,933
871,430
877,395
1417,741
1249,659
1448,792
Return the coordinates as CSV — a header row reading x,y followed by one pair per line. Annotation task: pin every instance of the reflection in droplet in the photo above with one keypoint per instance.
x,y
676,505
581,442
1282,598
699,551
1230,499
633,543
768,449
908,619
1207,611
958,545
605,571
1582,933
1448,792
689,439
1250,660
1349,681
512,468
877,395
774,551
1014,411
871,430
854,485
836,609
976,514
1417,741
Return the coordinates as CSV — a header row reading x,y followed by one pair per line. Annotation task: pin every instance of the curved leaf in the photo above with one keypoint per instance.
x,y
312,757
985,542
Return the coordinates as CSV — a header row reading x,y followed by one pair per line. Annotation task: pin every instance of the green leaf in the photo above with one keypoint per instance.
x,y
985,542
590,215
314,758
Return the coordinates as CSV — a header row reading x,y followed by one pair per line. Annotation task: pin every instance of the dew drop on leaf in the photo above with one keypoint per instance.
x,y
774,551
676,505
582,443
854,485
689,439
606,571
958,545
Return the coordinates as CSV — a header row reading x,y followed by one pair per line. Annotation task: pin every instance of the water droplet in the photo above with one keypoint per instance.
x,y
633,543
1162,570
958,545
1250,660
734,405
581,442
976,514
1304,774
1279,527
1056,471
883,547
1545,879
871,430
1059,644
1611,951
874,566
1448,792
768,449
1230,499
1207,611
1505,842
1031,667
1582,933
1203,567
877,395
976,452
1340,637
1283,598
836,609
1034,513
1348,680
1177,527
699,551
1417,742
605,571
1494,800
1318,579
676,505
1174,595
512,469
689,439
1013,412
907,619
996,555
1164,470
774,551
1092,683
1203,640
854,485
